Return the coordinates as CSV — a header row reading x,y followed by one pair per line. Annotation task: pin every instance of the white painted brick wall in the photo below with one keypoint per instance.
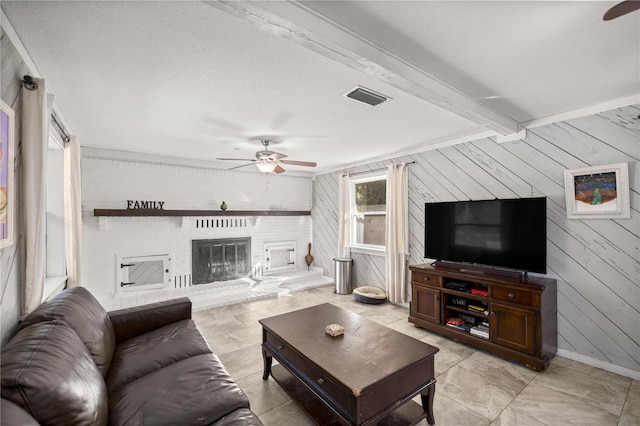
x,y
109,183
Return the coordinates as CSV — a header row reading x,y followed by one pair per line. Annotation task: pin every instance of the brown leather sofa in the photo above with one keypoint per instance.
x,y
73,363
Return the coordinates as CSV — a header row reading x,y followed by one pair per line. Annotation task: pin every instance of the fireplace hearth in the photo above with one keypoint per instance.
x,y
220,259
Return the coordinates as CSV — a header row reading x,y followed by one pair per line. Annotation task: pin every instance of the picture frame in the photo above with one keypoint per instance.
x,y
598,192
7,183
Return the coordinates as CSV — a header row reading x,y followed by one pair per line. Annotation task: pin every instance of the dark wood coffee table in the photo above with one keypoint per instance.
x,y
366,376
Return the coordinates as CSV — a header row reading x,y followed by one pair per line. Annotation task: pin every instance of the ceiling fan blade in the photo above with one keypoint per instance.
x,y
278,169
242,165
620,9
299,163
235,159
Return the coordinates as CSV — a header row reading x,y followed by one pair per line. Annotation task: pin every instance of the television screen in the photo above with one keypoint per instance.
x,y
510,233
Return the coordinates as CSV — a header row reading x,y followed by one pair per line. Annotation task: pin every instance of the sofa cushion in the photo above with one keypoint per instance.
x,y
48,371
136,320
240,417
194,391
84,314
154,350
13,415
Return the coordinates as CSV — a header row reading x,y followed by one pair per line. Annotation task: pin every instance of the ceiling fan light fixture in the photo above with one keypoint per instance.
x,y
266,166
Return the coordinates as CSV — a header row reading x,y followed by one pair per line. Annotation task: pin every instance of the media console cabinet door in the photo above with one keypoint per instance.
x,y
513,328
425,304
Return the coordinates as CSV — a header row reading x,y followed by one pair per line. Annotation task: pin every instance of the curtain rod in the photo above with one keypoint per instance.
x,y
371,171
61,131
30,84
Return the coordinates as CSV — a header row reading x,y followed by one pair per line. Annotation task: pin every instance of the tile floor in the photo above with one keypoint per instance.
x,y
473,387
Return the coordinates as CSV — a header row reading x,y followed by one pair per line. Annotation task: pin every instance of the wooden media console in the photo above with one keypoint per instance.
x,y
512,317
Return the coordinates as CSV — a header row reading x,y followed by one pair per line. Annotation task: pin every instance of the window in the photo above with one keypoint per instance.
x,y
56,268
368,211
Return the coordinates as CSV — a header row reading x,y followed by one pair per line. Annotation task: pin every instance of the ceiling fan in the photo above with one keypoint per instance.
x,y
269,161
622,8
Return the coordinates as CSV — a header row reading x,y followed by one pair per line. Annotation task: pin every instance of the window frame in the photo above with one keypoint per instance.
x,y
370,249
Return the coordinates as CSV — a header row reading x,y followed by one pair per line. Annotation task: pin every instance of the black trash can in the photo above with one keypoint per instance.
x,y
343,275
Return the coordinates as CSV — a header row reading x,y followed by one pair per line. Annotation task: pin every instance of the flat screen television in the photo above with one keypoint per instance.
x,y
508,233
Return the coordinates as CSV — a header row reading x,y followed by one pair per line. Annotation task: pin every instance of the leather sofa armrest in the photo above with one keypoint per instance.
x,y
131,322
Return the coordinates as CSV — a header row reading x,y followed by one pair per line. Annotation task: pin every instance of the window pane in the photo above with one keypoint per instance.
x,y
55,251
370,229
371,196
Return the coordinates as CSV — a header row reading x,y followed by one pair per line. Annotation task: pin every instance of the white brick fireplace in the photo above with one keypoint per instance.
x,y
109,183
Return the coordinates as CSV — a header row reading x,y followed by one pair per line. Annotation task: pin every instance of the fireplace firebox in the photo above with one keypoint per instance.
x,y
220,259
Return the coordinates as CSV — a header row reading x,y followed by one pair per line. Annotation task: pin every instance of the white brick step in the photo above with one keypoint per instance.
x,y
207,296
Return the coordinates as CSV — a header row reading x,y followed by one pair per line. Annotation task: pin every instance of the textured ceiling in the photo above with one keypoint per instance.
x,y
201,80
526,59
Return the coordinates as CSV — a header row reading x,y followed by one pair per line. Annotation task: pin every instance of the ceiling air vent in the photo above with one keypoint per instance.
x,y
367,96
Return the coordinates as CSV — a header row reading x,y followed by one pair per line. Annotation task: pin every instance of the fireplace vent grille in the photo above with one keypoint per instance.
x,y
223,223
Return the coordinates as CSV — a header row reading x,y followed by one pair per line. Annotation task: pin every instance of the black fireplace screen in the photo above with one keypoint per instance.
x,y
220,259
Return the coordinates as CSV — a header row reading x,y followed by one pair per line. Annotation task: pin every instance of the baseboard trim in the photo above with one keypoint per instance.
x,y
623,371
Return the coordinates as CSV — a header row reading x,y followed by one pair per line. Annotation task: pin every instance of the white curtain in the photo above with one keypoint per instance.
x,y
72,212
397,233
36,116
344,218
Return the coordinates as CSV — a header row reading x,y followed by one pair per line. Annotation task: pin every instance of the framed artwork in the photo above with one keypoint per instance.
x,y
7,187
598,192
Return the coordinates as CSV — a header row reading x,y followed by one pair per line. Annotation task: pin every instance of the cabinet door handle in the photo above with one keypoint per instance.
x,y
493,314
426,279
320,381
436,297
511,296
280,347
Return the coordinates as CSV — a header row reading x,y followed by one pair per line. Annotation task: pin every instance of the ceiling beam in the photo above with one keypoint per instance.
x,y
302,25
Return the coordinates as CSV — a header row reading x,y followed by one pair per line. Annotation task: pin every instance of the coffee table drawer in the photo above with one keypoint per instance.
x,y
327,384
314,376
281,349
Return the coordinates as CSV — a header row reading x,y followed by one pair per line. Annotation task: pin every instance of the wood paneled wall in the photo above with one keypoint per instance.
x,y
596,262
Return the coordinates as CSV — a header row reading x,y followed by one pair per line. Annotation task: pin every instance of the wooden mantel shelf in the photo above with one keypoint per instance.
x,y
158,212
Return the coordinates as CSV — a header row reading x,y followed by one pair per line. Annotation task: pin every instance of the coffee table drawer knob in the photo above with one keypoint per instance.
x,y
280,347
320,381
